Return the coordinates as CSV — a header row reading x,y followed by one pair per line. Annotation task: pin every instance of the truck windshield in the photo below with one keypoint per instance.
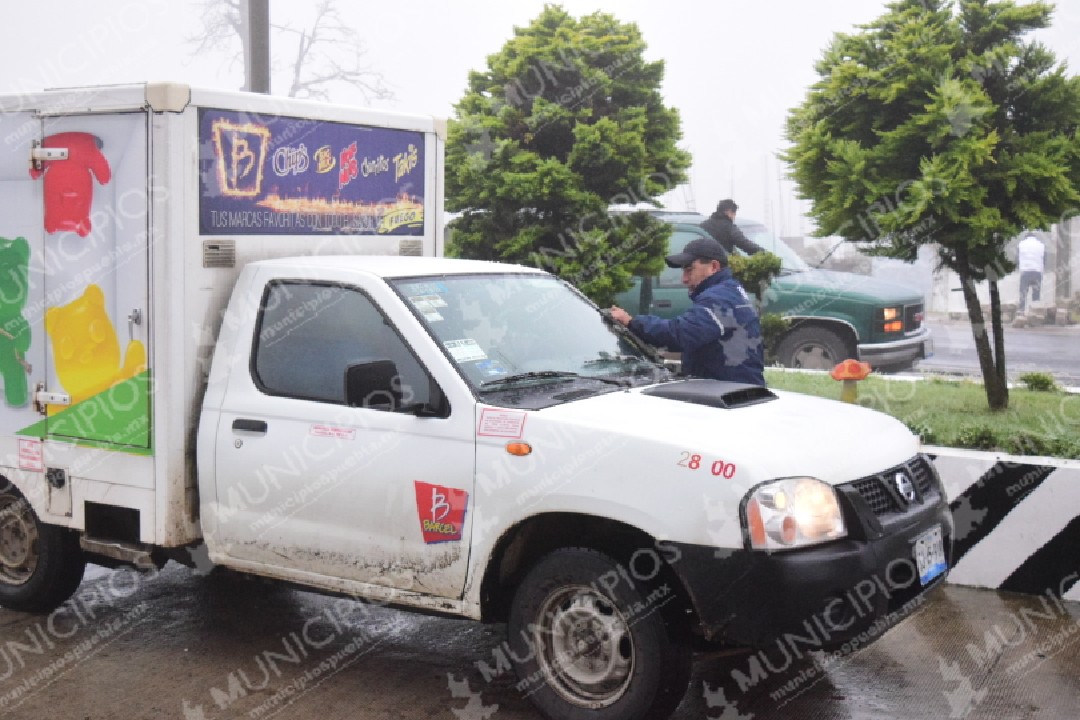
x,y
506,331
761,235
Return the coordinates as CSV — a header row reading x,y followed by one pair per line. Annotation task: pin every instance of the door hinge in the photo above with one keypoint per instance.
x,y
43,399
39,155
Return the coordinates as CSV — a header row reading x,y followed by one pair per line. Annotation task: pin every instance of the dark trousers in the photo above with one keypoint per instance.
x,y
1029,279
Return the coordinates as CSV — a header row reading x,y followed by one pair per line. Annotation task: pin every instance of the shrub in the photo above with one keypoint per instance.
x,y
1039,381
1026,443
1064,446
773,327
977,437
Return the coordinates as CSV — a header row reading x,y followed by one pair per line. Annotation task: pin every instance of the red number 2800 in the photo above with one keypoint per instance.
x,y
719,468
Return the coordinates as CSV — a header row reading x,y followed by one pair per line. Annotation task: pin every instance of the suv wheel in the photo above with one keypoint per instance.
x,y
813,348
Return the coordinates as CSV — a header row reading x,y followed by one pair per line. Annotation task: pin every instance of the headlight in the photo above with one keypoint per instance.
x,y
892,320
793,512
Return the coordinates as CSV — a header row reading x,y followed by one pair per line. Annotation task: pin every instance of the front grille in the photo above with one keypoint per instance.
x,y
913,317
875,495
880,491
923,473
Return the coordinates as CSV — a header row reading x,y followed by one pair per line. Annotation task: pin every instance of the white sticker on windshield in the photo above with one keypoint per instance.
x,y
432,316
466,350
427,301
424,288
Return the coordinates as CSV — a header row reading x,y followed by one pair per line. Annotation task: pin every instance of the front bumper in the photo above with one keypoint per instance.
x,y
917,346
825,595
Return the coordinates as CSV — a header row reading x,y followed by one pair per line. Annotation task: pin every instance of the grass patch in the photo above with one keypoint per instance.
x,y
953,413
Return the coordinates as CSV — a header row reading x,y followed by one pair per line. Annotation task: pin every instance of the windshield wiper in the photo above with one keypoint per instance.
x,y
605,359
541,374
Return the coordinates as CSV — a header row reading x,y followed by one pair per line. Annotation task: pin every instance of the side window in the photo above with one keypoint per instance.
x,y
309,334
672,277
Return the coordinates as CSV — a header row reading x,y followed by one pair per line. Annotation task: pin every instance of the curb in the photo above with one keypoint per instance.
x,y
1017,520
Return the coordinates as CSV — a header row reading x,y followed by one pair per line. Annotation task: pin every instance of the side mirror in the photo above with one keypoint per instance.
x,y
375,385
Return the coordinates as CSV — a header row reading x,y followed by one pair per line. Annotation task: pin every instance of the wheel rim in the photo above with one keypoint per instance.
x,y
811,356
18,540
584,647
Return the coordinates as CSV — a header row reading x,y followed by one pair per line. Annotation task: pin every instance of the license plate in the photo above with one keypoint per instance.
x,y
928,348
930,555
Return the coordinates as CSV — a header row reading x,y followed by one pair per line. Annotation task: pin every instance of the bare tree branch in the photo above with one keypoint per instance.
x,y
316,65
222,29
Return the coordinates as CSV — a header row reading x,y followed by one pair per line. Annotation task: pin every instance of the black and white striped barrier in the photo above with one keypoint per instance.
x,y
1017,520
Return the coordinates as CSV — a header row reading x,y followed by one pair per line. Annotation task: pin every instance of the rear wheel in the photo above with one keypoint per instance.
x,y
589,641
41,565
813,348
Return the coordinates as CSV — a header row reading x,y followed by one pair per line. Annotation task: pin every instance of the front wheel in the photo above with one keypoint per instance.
x,y
591,641
813,348
41,565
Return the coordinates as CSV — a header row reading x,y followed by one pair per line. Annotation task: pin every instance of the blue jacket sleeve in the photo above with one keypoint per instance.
x,y
694,328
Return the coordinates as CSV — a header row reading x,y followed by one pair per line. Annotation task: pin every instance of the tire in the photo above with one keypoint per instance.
x,y
41,565
587,645
813,348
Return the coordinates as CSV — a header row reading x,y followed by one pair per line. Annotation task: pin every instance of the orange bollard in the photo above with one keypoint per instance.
x,y
850,371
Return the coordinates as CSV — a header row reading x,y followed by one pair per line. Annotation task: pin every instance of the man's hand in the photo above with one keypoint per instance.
x,y
620,316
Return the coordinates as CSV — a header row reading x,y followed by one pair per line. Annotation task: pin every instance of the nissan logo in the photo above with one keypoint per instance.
x,y
905,487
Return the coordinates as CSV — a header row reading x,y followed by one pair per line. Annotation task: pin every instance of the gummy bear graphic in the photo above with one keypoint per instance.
x,y
14,330
86,351
69,191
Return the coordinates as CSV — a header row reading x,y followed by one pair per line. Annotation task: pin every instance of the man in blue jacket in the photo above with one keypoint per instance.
x,y
720,335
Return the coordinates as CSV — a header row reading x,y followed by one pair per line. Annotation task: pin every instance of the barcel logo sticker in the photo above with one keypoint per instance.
x,y
441,510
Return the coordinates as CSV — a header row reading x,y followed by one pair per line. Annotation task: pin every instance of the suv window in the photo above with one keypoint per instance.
x,y
672,277
309,333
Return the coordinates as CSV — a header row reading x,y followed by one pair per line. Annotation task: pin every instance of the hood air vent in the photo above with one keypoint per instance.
x,y
714,393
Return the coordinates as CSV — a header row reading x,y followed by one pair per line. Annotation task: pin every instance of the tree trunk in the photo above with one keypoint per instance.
x,y
999,338
997,396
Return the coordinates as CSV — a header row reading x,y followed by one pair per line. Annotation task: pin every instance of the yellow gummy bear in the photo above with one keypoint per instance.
x,y
86,350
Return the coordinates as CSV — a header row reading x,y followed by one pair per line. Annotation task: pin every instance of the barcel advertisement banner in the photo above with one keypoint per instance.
x,y
271,175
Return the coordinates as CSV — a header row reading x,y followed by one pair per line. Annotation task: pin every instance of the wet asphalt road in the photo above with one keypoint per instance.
x,y
1030,349
177,645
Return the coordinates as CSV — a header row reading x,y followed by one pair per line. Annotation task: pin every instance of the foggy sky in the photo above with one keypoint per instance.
x,y
733,69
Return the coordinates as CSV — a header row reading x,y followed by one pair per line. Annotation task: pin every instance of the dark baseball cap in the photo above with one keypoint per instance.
x,y
699,249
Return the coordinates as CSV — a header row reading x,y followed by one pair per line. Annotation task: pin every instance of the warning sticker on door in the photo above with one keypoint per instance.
x,y
501,423
331,431
441,511
30,457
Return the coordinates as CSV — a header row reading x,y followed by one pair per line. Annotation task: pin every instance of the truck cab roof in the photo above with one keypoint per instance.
x,y
391,266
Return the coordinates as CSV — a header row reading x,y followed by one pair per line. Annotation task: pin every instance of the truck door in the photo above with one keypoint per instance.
x,y
95,218
22,291
307,484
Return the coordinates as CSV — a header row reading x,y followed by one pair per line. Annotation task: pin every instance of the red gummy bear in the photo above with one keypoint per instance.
x,y
69,191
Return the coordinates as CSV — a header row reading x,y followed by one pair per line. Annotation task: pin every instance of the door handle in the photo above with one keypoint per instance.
x,y
662,304
258,426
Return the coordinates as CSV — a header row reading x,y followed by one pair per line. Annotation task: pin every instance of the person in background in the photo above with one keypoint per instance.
x,y
1030,259
721,225
720,335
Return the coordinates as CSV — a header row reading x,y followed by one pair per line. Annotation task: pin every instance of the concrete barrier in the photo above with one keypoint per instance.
x,y
1017,520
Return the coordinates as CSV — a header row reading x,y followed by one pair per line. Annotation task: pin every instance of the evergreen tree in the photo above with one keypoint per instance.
x,y
566,120
939,123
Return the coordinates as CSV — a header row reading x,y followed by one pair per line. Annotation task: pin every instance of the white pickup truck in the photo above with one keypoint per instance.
x,y
449,436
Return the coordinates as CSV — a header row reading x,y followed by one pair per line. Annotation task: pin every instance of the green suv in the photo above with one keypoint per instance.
x,y
834,315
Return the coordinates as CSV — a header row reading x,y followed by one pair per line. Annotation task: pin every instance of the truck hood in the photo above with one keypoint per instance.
x,y
790,435
857,287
